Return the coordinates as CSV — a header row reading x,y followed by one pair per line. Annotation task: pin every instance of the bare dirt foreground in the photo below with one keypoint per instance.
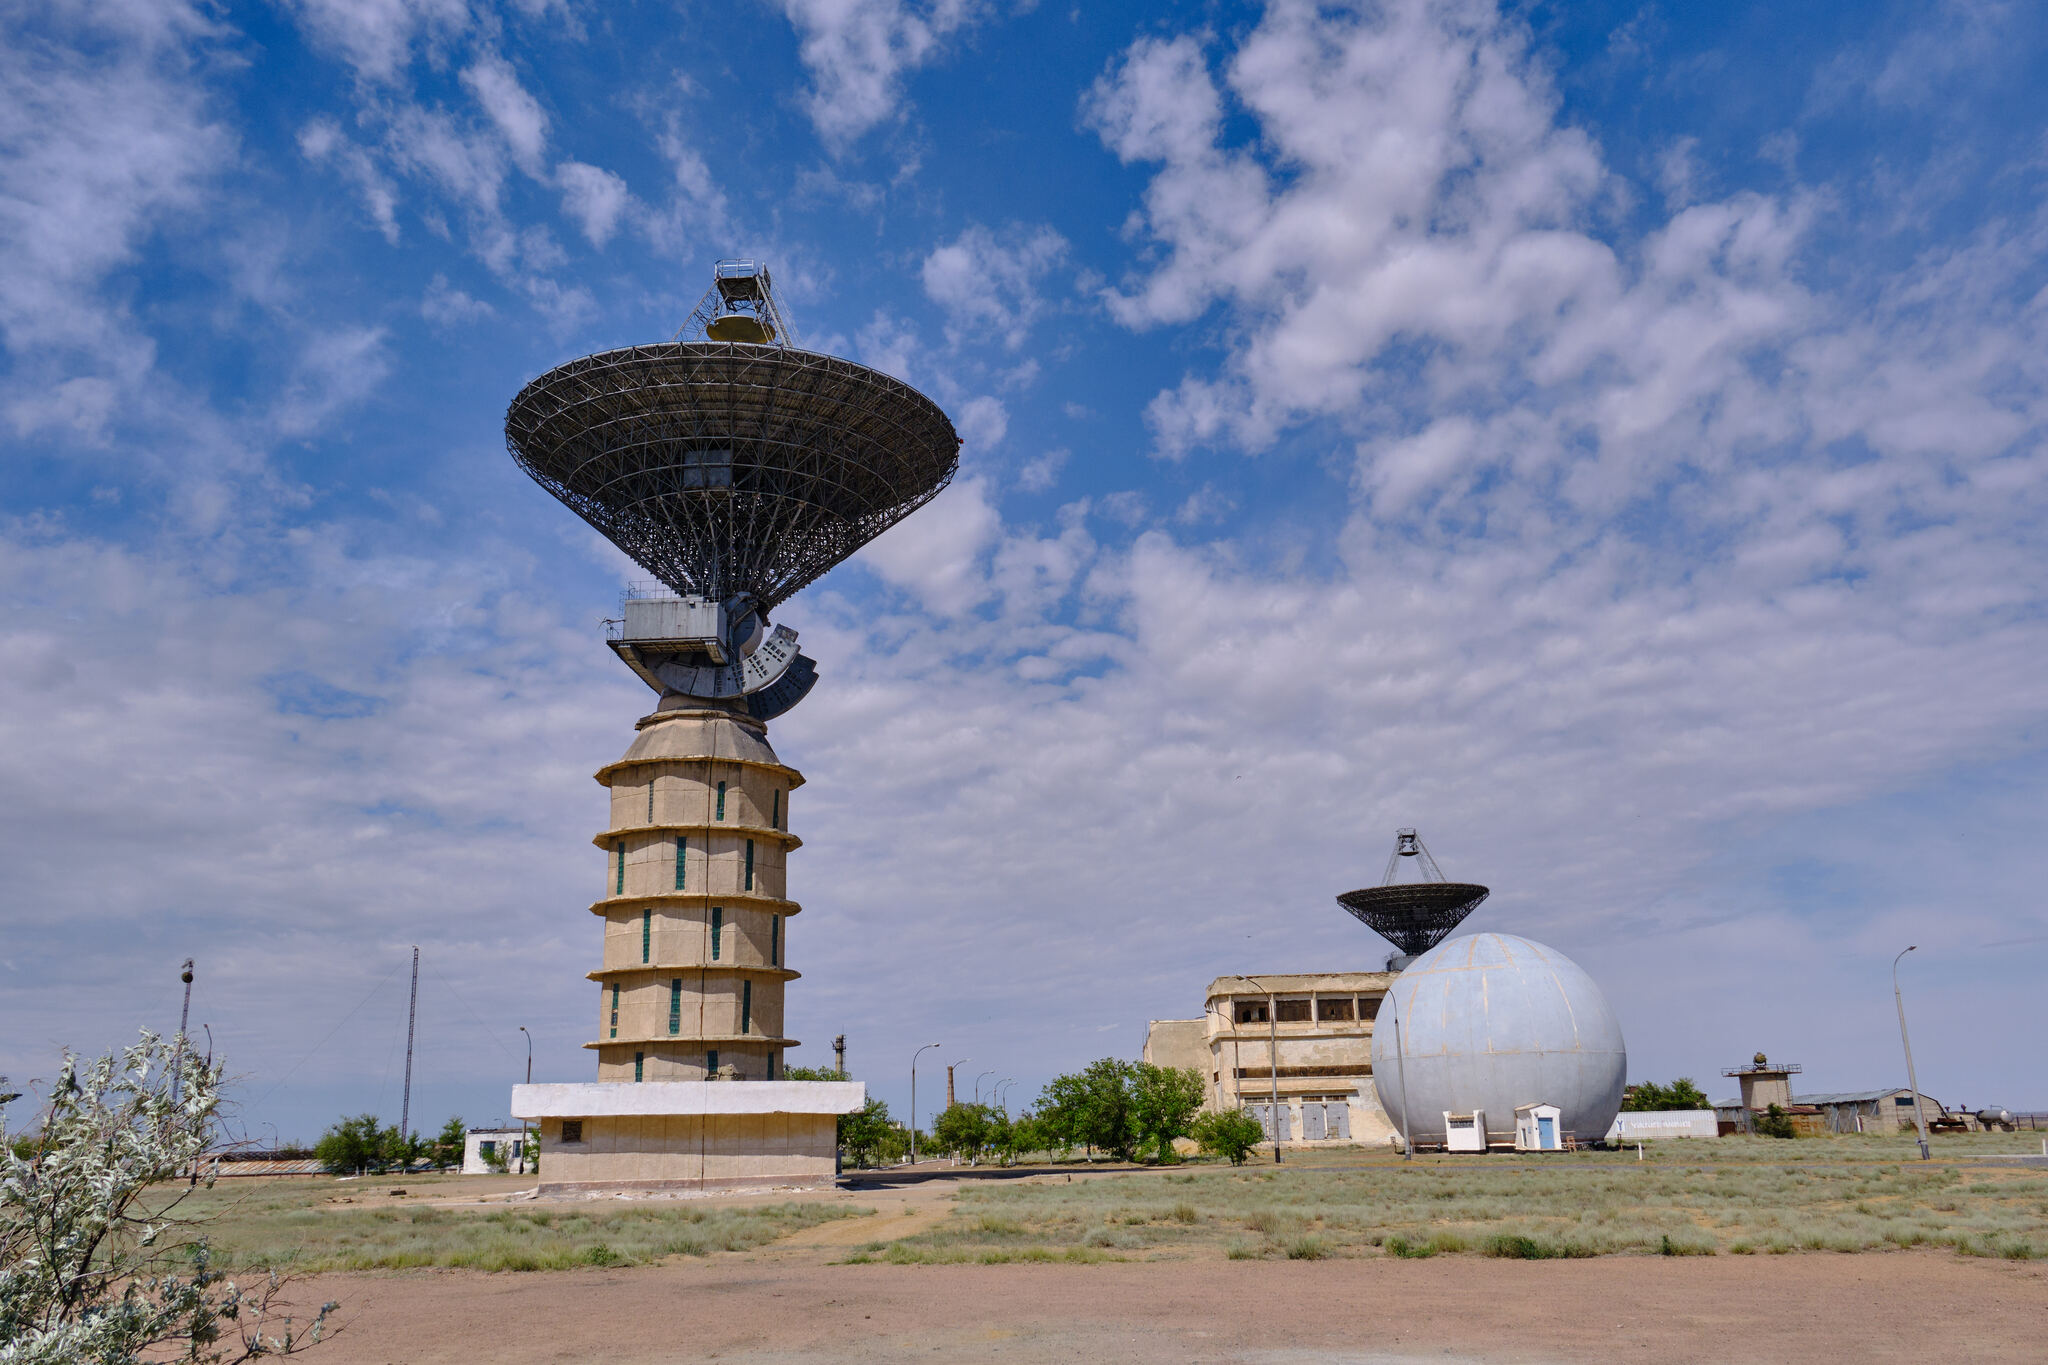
x,y
1892,1306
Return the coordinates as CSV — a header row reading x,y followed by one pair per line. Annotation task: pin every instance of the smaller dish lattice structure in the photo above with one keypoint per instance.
x,y
1414,916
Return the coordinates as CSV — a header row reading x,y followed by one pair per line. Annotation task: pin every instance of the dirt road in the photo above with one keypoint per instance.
x,y
791,1306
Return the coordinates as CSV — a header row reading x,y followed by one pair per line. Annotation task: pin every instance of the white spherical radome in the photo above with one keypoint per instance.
x,y
1491,1022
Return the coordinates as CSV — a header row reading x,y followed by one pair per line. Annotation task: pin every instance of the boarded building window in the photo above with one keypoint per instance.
x,y
1369,1006
746,1006
717,923
615,1009
711,1064
639,1066
775,814
1335,1009
620,849
675,1005
1293,1011
572,1130
721,800
771,1066
1251,1014
646,934
775,940
682,863
650,800
750,865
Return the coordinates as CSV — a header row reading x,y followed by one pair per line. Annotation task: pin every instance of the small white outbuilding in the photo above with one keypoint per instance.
x,y
508,1145
1465,1132
1536,1128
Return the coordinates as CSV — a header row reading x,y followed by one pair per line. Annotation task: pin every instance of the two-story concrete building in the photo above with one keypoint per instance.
x,y
1303,1037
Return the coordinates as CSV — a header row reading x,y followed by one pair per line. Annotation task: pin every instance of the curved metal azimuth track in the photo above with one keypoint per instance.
x,y
1414,916
724,468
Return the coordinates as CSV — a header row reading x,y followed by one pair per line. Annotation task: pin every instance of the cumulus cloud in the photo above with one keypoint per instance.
x,y
594,197
857,52
989,284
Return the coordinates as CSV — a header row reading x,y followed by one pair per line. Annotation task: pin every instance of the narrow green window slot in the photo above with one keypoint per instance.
x,y
639,1066
650,800
750,865
646,933
771,1066
620,849
717,923
675,1005
682,862
615,1009
775,819
711,1065
775,940
721,800
746,1006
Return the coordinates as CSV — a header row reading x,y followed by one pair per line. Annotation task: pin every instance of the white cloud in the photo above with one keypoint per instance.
x,y
376,36
983,422
1043,471
337,369
518,116
97,151
989,284
858,50
937,553
323,142
448,306
594,197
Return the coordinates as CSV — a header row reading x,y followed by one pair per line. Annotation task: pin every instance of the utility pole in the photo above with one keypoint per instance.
x,y
412,1010
1272,1056
1401,1069
178,1052
1919,1114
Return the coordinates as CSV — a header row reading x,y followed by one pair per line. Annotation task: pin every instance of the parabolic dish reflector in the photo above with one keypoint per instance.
x,y
726,469
1414,916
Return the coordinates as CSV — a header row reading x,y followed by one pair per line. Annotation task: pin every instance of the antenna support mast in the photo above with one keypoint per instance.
x,y
412,1010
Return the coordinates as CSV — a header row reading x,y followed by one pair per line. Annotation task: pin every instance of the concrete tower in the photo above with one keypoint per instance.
x,y
734,467
696,907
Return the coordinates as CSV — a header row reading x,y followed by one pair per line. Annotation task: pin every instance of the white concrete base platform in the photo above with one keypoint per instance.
x,y
686,1135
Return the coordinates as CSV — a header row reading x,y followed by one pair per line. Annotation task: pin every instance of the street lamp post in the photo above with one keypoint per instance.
x,y
525,1132
1272,1058
1919,1114
996,1095
977,1084
913,1098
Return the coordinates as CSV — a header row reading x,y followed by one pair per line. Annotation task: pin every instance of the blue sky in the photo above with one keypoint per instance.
x,y
1607,436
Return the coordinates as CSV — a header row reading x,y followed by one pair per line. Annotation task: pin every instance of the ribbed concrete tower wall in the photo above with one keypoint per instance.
x,y
695,908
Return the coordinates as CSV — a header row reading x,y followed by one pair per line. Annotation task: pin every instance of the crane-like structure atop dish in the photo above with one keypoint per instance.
x,y
1417,914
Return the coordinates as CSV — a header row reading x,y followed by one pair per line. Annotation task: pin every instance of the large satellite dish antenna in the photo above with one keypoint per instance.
x,y
1417,914
736,469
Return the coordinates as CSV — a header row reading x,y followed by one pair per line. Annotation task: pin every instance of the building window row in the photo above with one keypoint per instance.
x,y
1326,1009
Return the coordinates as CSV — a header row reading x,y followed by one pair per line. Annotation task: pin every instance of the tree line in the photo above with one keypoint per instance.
x,y
1125,1111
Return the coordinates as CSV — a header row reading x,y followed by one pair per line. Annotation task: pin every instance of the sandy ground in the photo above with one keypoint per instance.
x,y
788,1303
